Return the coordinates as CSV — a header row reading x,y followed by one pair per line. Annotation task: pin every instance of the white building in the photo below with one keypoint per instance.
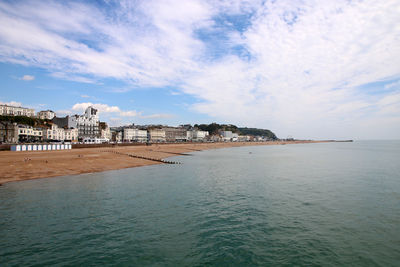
x,y
156,135
60,134
46,114
88,124
235,137
196,135
226,135
71,135
29,134
134,135
243,138
6,110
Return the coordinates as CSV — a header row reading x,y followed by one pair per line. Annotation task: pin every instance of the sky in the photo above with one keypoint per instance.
x,y
307,69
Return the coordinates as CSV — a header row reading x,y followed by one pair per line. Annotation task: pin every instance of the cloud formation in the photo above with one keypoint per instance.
x,y
28,78
301,68
11,103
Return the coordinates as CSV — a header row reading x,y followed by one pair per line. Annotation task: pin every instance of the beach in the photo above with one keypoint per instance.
x,y
19,166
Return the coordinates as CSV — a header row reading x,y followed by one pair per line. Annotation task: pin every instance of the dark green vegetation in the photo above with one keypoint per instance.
x,y
24,120
256,131
214,128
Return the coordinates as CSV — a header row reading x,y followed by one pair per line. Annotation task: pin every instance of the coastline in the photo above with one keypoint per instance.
x,y
20,166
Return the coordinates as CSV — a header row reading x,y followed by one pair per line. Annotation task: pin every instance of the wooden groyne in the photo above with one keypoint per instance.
x,y
142,157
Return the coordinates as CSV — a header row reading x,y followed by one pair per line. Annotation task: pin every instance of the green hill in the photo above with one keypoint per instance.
x,y
214,128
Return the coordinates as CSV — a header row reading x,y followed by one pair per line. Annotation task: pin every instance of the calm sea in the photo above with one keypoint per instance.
x,y
332,204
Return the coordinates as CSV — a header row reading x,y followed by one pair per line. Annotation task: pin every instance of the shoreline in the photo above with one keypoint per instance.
x,y
21,166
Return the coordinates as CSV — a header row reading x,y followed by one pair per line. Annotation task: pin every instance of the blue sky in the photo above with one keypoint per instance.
x,y
309,69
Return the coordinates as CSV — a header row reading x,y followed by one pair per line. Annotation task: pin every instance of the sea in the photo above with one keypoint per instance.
x,y
323,204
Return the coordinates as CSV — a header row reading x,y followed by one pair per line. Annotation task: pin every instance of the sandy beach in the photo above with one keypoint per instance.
x,y
18,166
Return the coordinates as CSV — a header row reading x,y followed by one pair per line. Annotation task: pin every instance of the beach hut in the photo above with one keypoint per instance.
x,y
69,146
62,147
23,147
34,147
16,148
58,147
29,147
53,147
40,147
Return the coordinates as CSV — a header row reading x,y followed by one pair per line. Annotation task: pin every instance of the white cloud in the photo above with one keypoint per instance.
x,y
28,78
11,103
157,116
131,113
301,70
102,108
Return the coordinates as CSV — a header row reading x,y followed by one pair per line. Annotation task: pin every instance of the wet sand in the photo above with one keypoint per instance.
x,y
18,166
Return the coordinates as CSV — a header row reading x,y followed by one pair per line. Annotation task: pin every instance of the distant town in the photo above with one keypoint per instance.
x,y
20,125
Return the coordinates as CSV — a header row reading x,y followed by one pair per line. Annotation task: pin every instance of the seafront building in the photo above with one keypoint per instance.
x,y
88,124
134,135
105,132
29,134
6,110
156,135
65,122
46,114
8,132
175,134
226,135
116,135
55,133
196,135
87,128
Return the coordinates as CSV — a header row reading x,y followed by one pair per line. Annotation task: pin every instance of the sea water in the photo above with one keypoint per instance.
x,y
327,204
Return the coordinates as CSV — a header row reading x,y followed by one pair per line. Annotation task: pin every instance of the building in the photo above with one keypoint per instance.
x,y
65,122
175,134
8,132
56,133
88,124
134,135
197,135
116,135
6,110
27,134
71,135
235,137
46,114
105,132
156,135
244,138
226,135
